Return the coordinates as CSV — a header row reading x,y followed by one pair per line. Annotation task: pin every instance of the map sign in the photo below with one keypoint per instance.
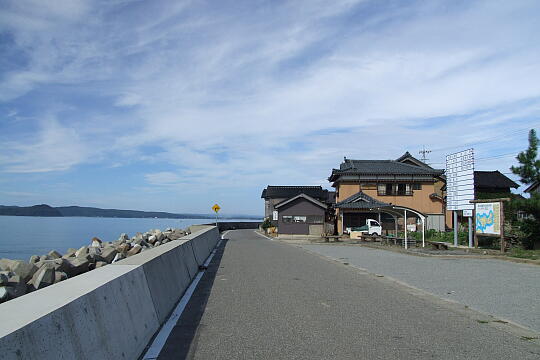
x,y
488,218
460,180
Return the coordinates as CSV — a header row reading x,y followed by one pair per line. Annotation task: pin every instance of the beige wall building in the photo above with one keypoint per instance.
x,y
364,188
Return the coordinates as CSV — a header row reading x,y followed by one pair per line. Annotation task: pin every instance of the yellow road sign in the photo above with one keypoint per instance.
x,y
216,208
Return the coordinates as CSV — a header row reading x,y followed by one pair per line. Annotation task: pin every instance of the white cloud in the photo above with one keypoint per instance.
x,y
231,99
54,148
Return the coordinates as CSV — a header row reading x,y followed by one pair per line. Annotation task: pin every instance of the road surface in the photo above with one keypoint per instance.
x,y
261,299
502,288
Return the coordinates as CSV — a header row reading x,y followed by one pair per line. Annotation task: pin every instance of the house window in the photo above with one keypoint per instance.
x,y
401,189
417,186
394,189
311,219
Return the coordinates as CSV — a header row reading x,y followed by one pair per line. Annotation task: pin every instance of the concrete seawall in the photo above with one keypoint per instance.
x,y
109,313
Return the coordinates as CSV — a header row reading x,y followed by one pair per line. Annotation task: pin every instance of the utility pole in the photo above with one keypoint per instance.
x,y
424,152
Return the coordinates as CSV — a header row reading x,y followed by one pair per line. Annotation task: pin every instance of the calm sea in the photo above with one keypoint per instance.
x,y
24,236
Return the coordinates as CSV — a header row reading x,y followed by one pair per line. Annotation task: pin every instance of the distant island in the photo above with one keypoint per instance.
x,y
46,210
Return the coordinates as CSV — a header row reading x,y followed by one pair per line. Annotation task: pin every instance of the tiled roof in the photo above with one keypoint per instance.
x,y
286,192
360,200
303,196
408,157
493,179
380,167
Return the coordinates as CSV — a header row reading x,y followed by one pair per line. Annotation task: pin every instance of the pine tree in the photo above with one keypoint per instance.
x,y
529,171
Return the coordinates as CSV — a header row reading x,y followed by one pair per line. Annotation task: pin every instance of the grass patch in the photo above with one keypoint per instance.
x,y
482,321
433,235
525,254
528,338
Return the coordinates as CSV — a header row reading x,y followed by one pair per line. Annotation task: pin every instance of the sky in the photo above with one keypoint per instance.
x,y
177,105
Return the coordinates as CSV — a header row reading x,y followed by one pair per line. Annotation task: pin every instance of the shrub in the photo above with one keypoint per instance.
x,y
266,224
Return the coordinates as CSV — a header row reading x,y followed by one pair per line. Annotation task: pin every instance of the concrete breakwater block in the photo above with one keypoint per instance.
x,y
109,313
78,261
82,318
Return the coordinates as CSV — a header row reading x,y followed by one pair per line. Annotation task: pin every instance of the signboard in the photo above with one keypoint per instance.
x,y
216,208
460,180
488,218
275,215
467,213
411,227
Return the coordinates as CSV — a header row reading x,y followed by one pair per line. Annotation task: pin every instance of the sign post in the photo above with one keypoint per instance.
x,y
490,218
216,209
460,187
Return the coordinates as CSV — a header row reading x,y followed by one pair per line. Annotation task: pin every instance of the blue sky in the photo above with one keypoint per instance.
x,y
176,105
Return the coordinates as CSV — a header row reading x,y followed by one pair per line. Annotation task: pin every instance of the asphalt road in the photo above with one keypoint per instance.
x,y
501,288
261,299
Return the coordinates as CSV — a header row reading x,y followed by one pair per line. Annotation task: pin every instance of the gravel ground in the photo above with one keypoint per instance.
x,y
504,289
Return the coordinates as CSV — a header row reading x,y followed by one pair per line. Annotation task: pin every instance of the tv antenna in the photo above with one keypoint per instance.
x,y
424,152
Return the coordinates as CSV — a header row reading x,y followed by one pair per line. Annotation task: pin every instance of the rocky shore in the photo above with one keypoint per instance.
x,y
18,277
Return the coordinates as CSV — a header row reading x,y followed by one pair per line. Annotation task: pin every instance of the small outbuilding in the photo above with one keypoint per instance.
x,y
301,215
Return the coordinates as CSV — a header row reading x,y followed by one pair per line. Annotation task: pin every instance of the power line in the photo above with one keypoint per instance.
x,y
488,140
487,158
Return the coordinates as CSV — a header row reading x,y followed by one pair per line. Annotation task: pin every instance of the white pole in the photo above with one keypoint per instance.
x,y
405,226
423,232
456,227
470,233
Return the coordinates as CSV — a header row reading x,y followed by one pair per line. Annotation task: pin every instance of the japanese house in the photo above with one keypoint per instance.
x,y
389,191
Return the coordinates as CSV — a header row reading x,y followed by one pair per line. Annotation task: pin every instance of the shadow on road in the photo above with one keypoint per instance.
x,y
183,335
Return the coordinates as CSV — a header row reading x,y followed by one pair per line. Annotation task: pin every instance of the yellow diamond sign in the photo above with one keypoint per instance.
x,y
216,208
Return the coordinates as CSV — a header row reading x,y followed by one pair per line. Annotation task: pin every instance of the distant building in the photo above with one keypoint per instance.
x,y
301,215
493,182
298,210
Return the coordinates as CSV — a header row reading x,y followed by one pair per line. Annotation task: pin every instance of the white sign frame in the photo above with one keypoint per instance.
x,y
460,180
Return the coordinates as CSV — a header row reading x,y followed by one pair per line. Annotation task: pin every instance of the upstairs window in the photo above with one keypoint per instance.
x,y
394,189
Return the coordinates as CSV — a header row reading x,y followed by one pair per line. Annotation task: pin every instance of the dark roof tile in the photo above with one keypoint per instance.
x,y
493,179
380,167
285,192
360,200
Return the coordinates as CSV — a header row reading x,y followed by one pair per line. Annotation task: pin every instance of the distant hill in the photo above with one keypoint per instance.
x,y
97,212
36,210
66,211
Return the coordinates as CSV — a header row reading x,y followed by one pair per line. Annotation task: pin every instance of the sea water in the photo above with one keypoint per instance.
x,y
24,236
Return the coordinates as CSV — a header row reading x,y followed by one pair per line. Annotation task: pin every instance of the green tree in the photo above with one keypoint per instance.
x,y
529,172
